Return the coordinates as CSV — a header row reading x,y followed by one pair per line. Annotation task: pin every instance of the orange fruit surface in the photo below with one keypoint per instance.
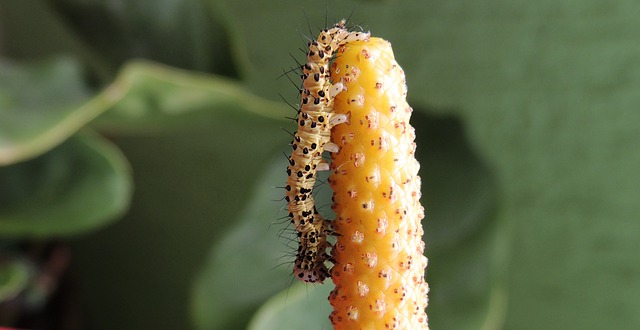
x,y
379,262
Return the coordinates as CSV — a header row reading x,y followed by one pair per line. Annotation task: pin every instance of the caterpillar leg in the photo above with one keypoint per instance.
x,y
331,147
336,88
323,166
338,118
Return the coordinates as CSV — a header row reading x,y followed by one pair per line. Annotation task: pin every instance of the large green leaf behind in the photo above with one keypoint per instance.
x,y
83,184
40,106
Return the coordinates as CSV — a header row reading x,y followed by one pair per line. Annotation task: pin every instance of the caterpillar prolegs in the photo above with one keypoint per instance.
x,y
315,120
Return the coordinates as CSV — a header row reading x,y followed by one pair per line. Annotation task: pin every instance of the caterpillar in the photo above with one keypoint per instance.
x,y
315,120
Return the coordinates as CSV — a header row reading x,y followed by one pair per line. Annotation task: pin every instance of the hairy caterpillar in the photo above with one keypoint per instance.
x,y
315,119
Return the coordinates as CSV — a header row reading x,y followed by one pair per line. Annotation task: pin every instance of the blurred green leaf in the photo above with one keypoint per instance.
x,y
39,107
181,33
31,30
462,231
290,309
81,185
39,112
249,264
15,275
157,98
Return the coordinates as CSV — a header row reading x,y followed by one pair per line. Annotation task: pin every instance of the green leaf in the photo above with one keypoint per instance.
x,y
462,231
299,307
181,33
81,185
31,30
15,277
39,112
157,97
250,264
40,106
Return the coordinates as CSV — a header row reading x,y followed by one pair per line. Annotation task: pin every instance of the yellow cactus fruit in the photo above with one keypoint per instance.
x,y
379,263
